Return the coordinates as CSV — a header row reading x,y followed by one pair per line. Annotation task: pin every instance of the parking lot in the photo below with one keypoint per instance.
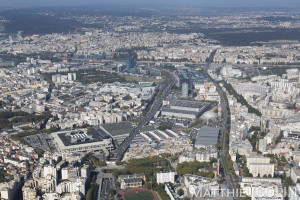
x,y
41,141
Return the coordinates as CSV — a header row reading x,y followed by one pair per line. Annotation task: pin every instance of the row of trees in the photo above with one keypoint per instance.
x,y
92,190
191,167
93,161
162,193
241,99
8,118
148,166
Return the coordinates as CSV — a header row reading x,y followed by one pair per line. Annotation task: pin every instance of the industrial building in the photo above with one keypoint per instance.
x,y
82,140
157,142
206,136
185,109
118,131
158,135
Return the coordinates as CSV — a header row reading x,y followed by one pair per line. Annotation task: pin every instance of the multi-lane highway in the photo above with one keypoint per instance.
x,y
105,182
164,90
229,179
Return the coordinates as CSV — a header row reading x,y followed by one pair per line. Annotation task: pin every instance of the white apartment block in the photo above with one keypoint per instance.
x,y
165,177
257,159
261,169
294,192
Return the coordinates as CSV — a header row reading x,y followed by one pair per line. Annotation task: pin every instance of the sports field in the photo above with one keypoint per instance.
x,y
139,196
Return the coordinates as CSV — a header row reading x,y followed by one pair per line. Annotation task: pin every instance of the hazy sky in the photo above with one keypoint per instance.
x,y
246,3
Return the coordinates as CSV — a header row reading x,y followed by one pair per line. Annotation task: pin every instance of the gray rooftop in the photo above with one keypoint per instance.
x,y
75,137
207,136
120,128
190,104
180,111
133,180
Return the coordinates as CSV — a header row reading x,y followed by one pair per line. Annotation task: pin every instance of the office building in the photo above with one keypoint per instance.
x,y
130,63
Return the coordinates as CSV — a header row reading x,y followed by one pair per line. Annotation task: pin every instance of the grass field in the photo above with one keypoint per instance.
x,y
139,196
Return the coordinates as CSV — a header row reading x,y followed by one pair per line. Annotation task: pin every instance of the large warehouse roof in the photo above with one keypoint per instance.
x,y
207,136
120,128
189,104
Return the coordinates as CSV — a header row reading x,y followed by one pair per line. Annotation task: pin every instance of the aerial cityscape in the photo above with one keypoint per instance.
x,y
166,101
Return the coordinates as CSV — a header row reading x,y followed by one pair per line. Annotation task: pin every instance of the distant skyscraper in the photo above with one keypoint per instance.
x,y
20,34
185,90
130,64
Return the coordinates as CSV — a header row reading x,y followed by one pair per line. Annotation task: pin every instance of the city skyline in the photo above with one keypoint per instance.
x,y
201,3
165,100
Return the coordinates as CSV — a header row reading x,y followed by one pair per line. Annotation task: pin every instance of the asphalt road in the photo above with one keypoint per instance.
x,y
164,90
228,176
105,182
105,189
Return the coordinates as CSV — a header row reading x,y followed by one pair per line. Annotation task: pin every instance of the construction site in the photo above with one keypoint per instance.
x,y
155,143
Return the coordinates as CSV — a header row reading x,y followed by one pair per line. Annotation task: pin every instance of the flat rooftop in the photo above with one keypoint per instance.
x,y
180,111
189,104
82,136
148,128
123,128
207,136
120,128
